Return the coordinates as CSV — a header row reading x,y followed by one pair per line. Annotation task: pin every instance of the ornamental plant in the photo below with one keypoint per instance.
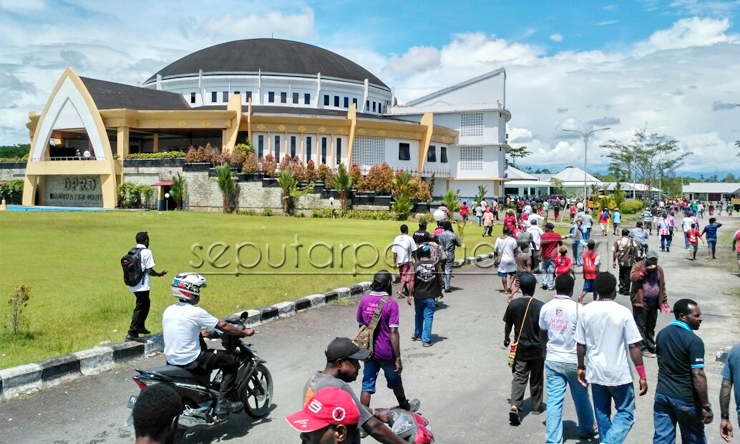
x,y
237,158
286,163
311,173
270,165
356,175
373,181
251,164
324,171
298,169
387,178
192,155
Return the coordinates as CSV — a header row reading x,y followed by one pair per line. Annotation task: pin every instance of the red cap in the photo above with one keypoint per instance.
x,y
329,406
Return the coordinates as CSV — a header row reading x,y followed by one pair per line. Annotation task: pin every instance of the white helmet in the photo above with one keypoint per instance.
x,y
579,205
186,286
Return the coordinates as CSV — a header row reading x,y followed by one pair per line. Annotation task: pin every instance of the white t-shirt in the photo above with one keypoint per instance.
x,y
181,325
559,318
607,329
686,223
403,246
147,262
507,247
536,233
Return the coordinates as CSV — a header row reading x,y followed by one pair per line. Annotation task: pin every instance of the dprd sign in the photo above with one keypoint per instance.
x,y
73,191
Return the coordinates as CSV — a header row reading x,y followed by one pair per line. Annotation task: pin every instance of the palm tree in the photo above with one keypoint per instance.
x,y
343,184
482,191
288,183
226,183
177,189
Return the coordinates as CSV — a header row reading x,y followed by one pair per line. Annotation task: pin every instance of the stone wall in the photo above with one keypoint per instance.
x,y
12,170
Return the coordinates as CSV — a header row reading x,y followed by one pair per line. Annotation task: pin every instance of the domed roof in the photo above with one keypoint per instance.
x,y
270,56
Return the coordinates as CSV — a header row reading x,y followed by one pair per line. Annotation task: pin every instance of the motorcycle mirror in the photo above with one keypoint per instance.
x,y
244,315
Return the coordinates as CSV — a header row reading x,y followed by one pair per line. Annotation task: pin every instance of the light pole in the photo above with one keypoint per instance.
x,y
166,201
585,157
331,203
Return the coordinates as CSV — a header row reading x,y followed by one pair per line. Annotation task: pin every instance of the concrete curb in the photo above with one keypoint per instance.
x,y
29,378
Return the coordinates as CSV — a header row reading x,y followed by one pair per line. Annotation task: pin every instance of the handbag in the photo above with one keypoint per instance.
x,y
513,347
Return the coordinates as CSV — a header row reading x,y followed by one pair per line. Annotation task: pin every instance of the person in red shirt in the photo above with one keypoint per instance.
x,y
736,247
693,236
591,263
549,243
464,211
563,264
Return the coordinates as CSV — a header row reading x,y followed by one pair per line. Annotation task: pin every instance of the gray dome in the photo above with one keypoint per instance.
x,y
270,56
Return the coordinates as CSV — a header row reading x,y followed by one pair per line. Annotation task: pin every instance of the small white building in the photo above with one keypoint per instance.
x,y
520,183
711,191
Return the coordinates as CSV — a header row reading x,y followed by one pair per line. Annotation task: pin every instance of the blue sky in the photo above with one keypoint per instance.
x,y
671,66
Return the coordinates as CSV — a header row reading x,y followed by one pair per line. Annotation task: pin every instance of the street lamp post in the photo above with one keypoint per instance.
x,y
167,201
331,203
585,156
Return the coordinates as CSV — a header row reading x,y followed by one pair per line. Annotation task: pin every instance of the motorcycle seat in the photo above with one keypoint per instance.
x,y
172,371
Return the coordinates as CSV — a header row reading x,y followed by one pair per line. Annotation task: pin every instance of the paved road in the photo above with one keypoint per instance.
x,y
463,380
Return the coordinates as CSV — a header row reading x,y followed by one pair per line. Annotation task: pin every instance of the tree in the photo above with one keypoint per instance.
x,y
343,184
520,152
226,183
558,185
450,199
177,190
730,178
647,159
482,191
288,183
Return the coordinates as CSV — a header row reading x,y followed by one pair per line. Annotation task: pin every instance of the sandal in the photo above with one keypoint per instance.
x,y
414,338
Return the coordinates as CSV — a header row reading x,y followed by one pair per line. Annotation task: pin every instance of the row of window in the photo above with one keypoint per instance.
x,y
293,148
295,99
404,153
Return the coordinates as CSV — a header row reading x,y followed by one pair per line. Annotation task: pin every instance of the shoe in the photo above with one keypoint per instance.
x,y
413,405
414,338
224,407
426,344
648,354
590,435
143,331
514,416
131,338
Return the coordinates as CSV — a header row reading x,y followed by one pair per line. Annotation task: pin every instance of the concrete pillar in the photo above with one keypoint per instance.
x,y
155,142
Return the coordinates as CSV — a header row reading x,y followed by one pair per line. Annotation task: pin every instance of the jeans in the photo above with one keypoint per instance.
x,y
587,236
480,220
548,273
646,317
424,316
614,430
578,252
141,311
667,411
665,241
371,370
686,240
560,374
522,371
712,244
448,265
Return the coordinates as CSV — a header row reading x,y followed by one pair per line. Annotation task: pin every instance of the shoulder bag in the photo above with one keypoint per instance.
x,y
513,347
365,337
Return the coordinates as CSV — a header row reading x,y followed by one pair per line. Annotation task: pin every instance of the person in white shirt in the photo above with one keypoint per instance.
x,y
403,251
141,290
505,250
607,333
685,227
184,347
536,232
558,319
87,154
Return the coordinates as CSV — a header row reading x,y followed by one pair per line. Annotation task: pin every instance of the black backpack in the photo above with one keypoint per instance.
x,y
131,264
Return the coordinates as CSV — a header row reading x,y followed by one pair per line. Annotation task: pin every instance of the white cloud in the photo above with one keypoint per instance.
x,y
687,33
274,23
416,59
556,38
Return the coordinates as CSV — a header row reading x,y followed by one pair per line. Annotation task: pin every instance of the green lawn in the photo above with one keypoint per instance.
x,y
78,299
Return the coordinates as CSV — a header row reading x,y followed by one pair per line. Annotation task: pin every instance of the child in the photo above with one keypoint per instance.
x,y
591,262
693,235
604,221
563,264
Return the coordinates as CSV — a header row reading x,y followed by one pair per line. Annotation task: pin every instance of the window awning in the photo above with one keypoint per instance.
x,y
162,183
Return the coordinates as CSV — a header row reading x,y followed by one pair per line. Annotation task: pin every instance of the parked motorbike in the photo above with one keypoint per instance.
x,y
410,426
253,385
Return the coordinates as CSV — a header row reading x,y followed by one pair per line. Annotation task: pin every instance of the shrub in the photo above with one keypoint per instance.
x,y
192,155
424,217
267,212
165,155
387,178
373,181
12,191
134,196
269,164
226,184
298,169
212,154
311,173
251,164
356,175
18,301
245,147
402,206
631,206
237,157
178,189
286,163
419,190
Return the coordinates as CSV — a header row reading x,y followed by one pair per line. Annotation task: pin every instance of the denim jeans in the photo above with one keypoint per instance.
x,y
667,411
614,430
424,311
449,265
578,252
560,374
548,273
480,220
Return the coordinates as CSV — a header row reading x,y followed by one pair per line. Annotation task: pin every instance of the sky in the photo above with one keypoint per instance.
x,y
671,67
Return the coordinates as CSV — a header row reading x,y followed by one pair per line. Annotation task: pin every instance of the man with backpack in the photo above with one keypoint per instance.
x,y
138,265
378,313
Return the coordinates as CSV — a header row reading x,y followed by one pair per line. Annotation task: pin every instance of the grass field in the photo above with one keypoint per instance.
x,y
78,299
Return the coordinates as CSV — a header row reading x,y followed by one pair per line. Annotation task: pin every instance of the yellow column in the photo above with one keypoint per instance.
x,y
352,117
427,121
155,142
230,134
29,190
122,142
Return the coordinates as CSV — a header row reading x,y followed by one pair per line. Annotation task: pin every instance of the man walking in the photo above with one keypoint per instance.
x,y
647,294
141,290
386,343
608,335
686,227
579,239
536,233
588,223
736,247
622,257
616,219
487,222
422,236
523,314
681,394
558,319
711,232
730,377
591,264
549,243
403,251
448,240
424,287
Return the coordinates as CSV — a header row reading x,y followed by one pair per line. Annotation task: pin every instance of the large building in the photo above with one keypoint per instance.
x,y
288,98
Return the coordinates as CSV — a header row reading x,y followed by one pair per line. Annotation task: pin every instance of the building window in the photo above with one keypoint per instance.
x,y
260,146
307,99
326,99
339,151
271,97
443,154
309,144
249,96
354,100
336,101
295,98
471,124
367,106
276,148
346,102
225,96
373,106
404,151
283,97
324,143
367,151
471,158
292,146
192,97
214,97
432,154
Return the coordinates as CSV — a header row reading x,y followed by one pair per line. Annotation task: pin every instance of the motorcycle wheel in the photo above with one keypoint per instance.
x,y
256,394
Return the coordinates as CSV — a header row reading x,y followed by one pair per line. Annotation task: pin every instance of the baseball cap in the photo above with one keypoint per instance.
x,y
344,348
329,406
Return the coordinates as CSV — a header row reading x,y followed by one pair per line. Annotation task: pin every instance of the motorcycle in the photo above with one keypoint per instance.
x,y
410,426
253,385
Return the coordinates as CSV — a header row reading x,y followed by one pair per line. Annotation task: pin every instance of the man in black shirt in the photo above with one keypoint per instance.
x,y
681,393
422,236
425,286
523,314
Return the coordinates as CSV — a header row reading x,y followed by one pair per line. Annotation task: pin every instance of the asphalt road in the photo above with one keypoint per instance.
x,y
462,380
